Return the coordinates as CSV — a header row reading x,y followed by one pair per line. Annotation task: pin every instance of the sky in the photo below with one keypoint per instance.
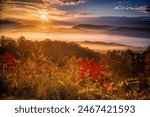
x,y
70,9
112,8
52,16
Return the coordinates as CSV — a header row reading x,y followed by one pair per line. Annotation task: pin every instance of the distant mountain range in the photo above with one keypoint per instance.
x,y
107,20
8,22
117,30
104,47
104,27
118,21
17,22
126,26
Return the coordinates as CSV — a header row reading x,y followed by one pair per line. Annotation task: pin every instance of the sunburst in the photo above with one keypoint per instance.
x,y
43,15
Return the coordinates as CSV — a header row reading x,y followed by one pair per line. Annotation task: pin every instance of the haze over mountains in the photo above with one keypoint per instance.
x,y
116,30
121,30
109,20
103,47
126,26
119,21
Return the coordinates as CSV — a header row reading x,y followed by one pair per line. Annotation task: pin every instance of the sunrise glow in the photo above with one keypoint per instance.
x,y
43,15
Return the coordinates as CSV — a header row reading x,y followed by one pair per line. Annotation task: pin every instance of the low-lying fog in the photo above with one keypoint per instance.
x,y
125,40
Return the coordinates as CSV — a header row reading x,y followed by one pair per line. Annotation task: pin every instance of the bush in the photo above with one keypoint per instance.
x,y
59,70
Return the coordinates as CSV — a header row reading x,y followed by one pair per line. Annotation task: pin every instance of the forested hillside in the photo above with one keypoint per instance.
x,y
64,70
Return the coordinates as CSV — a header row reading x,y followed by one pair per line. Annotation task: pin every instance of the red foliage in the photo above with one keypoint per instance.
x,y
8,60
107,86
90,69
147,58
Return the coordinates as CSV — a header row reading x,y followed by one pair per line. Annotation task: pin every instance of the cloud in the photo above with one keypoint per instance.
x,y
144,9
25,11
30,1
57,2
70,2
64,2
32,11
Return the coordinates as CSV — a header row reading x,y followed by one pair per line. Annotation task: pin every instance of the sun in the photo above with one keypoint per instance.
x,y
43,15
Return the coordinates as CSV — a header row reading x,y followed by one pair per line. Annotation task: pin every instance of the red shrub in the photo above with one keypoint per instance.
x,y
90,69
8,60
